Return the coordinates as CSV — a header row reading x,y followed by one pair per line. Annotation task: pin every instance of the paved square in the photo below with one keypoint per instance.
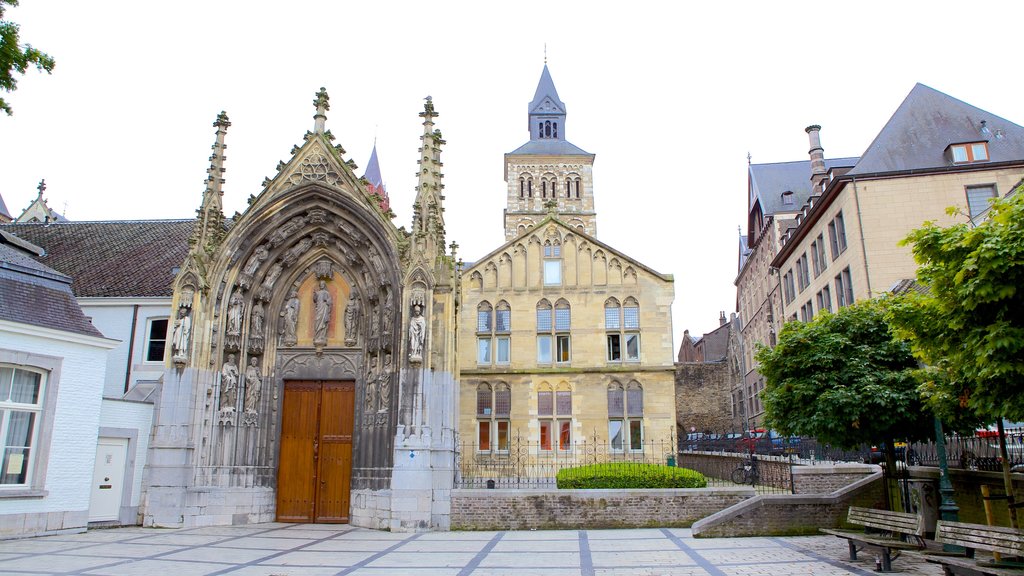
x,y
319,550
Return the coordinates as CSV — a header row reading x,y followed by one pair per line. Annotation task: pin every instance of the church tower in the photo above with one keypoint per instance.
x,y
548,173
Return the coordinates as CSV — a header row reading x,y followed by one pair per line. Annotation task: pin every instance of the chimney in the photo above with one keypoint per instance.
x,y
817,153
721,318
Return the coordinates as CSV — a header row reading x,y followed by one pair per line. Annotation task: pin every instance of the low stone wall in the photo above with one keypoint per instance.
x,y
784,514
774,469
967,492
475,509
825,479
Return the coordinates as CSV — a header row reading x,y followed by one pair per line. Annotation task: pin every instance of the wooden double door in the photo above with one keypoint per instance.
x,y
313,479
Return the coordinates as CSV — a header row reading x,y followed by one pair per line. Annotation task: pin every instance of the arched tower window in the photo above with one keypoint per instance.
x,y
554,130
522,187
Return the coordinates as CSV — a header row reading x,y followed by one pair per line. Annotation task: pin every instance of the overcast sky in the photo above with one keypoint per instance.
x,y
670,97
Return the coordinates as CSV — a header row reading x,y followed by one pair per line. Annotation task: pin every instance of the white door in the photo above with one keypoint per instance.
x,y
108,479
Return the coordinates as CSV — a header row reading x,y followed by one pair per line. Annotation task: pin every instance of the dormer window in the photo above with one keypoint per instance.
x,y
968,152
788,199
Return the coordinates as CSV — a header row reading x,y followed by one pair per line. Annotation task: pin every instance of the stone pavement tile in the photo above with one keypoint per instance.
x,y
633,534
316,527
112,535
652,571
151,567
300,534
124,550
303,558
752,555
787,569
343,545
234,531
485,536
612,559
264,543
283,571
541,535
627,544
220,555
179,539
40,545
419,545
368,535
56,563
405,571
506,545
729,543
421,560
537,559
526,571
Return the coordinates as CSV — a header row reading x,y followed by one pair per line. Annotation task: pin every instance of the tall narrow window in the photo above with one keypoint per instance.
x,y
156,340
552,264
625,417
545,411
21,406
493,413
563,326
837,235
544,330
622,324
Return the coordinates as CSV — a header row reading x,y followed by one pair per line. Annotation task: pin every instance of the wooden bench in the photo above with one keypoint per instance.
x,y
1006,541
883,530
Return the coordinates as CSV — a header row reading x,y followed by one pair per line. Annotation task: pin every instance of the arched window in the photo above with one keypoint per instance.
x,y
554,416
493,338
544,188
577,183
522,187
547,129
552,263
554,131
529,187
625,416
622,326
568,188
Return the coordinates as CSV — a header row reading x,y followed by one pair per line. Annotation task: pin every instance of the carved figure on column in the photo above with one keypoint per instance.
x,y
229,384
322,303
256,328
253,385
417,334
181,336
236,311
267,287
371,386
297,250
352,319
374,324
389,318
385,384
290,319
252,265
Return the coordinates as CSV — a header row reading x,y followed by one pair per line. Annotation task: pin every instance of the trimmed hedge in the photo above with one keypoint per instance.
x,y
629,475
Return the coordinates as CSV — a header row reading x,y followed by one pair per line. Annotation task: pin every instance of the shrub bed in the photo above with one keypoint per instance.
x,y
629,475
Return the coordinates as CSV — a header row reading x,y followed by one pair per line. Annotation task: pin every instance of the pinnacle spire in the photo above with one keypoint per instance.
x,y
41,188
209,229
428,214
322,104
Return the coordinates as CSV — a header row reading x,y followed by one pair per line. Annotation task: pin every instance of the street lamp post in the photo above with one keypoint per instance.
x,y
948,510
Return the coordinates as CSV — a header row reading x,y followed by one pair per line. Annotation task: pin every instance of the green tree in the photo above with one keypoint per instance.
x,y
16,58
844,379
969,326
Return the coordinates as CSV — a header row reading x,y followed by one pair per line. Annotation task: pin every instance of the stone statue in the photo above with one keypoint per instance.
x,y
181,335
290,319
253,385
371,386
389,313
229,384
267,287
351,319
385,384
322,303
374,324
254,261
417,334
236,311
256,327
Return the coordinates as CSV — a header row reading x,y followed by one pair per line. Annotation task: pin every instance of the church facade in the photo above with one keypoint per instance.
x,y
565,341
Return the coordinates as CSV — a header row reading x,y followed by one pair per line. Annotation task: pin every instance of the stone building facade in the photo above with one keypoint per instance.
x,y
564,340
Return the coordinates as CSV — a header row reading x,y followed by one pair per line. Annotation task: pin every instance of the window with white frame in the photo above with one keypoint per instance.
x,y
837,235
493,413
493,333
622,325
626,417
156,339
21,409
544,329
552,264
968,152
554,417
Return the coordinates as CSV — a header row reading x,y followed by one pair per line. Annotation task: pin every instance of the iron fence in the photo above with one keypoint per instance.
x,y
521,462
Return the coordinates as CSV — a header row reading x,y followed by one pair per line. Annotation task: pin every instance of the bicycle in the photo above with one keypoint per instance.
x,y
747,472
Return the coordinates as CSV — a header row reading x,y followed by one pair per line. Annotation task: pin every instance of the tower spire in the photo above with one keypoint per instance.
x,y
428,211
41,188
209,229
322,104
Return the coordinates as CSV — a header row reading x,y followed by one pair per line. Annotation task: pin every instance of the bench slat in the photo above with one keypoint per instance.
x,y
901,522
1008,541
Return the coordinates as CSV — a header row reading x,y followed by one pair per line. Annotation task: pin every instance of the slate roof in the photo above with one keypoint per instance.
x,y
769,181
926,123
550,147
546,88
32,293
113,258
3,208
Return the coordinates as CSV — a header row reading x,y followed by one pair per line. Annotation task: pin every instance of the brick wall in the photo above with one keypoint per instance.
x,y
703,396
561,509
826,479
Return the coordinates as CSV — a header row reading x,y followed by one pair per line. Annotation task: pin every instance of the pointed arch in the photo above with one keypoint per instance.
x,y
600,268
504,270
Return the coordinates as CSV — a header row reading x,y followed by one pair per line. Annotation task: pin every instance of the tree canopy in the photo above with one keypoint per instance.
x,y
15,58
969,325
844,379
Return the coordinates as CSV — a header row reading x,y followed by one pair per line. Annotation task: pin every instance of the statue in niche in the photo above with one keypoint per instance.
x,y
294,252
351,319
389,314
229,384
375,323
290,319
256,328
253,385
371,385
385,384
268,282
254,261
378,265
181,335
417,334
236,311
287,230
322,303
